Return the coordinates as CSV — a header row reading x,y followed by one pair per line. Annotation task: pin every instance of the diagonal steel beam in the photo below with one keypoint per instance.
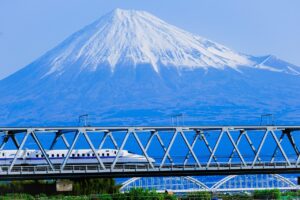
x,y
106,134
77,134
92,147
190,148
237,144
113,140
260,147
235,147
280,147
142,148
5,140
19,149
164,147
298,160
292,141
168,149
15,140
153,134
6,136
35,138
251,144
215,148
59,134
65,140
121,148
208,146
54,141
276,149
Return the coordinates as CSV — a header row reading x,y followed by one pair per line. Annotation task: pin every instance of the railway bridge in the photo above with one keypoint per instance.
x,y
177,151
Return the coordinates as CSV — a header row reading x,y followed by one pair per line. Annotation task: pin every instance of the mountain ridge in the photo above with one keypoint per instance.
x,y
76,78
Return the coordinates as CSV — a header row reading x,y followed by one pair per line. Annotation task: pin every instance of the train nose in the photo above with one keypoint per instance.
x,y
151,160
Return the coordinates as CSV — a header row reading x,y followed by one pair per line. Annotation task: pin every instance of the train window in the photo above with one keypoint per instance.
x,y
116,152
73,155
63,155
78,155
48,155
57,155
83,154
93,154
102,154
107,154
52,155
88,155
27,154
3,154
42,155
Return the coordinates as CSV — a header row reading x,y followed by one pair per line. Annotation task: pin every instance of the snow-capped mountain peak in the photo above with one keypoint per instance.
x,y
130,66
137,37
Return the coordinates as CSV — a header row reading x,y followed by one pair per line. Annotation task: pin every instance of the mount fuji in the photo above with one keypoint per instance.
x,y
132,68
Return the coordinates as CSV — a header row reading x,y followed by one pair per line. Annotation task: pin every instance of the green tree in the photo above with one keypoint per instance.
x,y
267,194
198,196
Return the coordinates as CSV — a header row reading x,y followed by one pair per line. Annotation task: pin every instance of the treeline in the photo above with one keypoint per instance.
x,y
106,189
135,194
140,194
80,187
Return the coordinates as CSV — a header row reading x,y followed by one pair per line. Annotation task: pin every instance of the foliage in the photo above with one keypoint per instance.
x,y
94,186
80,187
198,196
235,196
142,194
267,194
289,195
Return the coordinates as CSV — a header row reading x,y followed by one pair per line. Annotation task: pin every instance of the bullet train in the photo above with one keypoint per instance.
x,y
77,157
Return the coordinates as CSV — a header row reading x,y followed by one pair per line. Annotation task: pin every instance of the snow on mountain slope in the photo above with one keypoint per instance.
x,y
137,37
274,64
130,67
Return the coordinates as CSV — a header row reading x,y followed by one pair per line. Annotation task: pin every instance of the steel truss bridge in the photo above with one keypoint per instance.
x,y
184,151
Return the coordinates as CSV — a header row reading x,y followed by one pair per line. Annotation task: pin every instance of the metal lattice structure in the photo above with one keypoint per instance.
x,y
254,182
203,150
232,183
161,184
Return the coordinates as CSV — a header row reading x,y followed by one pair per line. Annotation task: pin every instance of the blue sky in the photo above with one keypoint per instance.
x,y
259,27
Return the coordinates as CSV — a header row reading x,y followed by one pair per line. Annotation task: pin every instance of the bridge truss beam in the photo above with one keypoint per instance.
x,y
196,160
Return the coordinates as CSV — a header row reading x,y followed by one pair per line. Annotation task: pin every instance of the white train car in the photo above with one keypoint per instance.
x,y
82,156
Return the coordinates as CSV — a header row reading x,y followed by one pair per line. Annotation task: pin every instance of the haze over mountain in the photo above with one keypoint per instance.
x,y
130,67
